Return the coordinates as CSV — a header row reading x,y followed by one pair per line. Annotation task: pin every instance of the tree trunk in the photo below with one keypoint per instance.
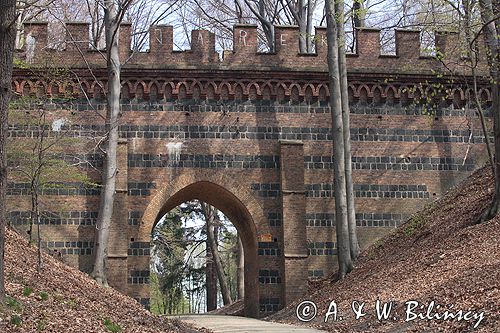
x,y
309,25
302,34
210,220
358,15
240,270
491,30
342,227
7,39
112,23
351,212
211,279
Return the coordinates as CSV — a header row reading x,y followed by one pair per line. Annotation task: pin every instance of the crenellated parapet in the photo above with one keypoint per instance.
x,y
245,55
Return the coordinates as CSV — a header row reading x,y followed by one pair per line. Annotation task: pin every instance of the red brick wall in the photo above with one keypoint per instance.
x,y
234,119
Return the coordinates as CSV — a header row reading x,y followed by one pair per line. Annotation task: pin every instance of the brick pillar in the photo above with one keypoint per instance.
x,y
118,237
294,226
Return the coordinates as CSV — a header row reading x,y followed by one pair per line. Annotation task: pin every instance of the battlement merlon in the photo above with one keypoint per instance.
x,y
245,55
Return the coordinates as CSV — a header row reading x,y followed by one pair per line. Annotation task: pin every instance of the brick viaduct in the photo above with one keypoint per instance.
x,y
254,133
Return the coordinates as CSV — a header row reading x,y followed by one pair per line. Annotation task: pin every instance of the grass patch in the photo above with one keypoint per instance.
x,y
112,327
412,225
16,320
13,304
44,296
27,291
40,326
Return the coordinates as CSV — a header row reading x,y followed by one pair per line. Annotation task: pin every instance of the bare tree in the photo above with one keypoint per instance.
x,y
358,13
240,271
351,213
7,41
260,9
303,11
340,190
490,16
211,219
114,12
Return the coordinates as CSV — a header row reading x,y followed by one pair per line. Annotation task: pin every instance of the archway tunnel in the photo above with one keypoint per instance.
x,y
234,209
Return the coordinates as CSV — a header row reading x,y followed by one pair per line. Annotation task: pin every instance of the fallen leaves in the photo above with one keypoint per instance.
x,y
447,259
63,299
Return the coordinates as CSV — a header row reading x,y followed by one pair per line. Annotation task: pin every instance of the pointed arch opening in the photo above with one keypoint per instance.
x,y
236,209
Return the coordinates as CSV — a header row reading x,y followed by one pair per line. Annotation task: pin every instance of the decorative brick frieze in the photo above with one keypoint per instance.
x,y
321,249
134,217
54,188
139,249
315,274
362,219
271,304
325,190
275,219
140,189
138,277
204,161
55,218
269,276
269,249
184,132
395,163
266,190
71,248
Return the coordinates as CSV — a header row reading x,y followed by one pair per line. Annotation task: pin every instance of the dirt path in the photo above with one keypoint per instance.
x,y
233,324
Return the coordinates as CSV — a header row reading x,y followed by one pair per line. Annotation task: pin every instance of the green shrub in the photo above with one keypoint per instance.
x,y
40,326
112,327
413,224
44,295
15,320
27,291
13,304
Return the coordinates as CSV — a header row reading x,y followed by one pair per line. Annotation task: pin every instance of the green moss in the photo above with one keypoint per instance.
x,y
112,327
16,320
44,295
40,326
13,304
27,291
412,225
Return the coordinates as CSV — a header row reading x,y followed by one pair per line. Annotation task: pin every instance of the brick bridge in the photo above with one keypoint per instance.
x,y
253,132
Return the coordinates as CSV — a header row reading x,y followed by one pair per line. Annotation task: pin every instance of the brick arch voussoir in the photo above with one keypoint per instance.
x,y
271,87
141,82
163,87
299,88
160,199
394,91
325,87
227,85
178,86
313,89
249,86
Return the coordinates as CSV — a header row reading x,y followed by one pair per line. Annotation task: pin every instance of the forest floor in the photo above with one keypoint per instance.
x,y
63,299
439,255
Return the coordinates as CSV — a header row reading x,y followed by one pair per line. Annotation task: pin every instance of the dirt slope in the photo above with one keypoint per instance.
x,y
438,255
64,299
